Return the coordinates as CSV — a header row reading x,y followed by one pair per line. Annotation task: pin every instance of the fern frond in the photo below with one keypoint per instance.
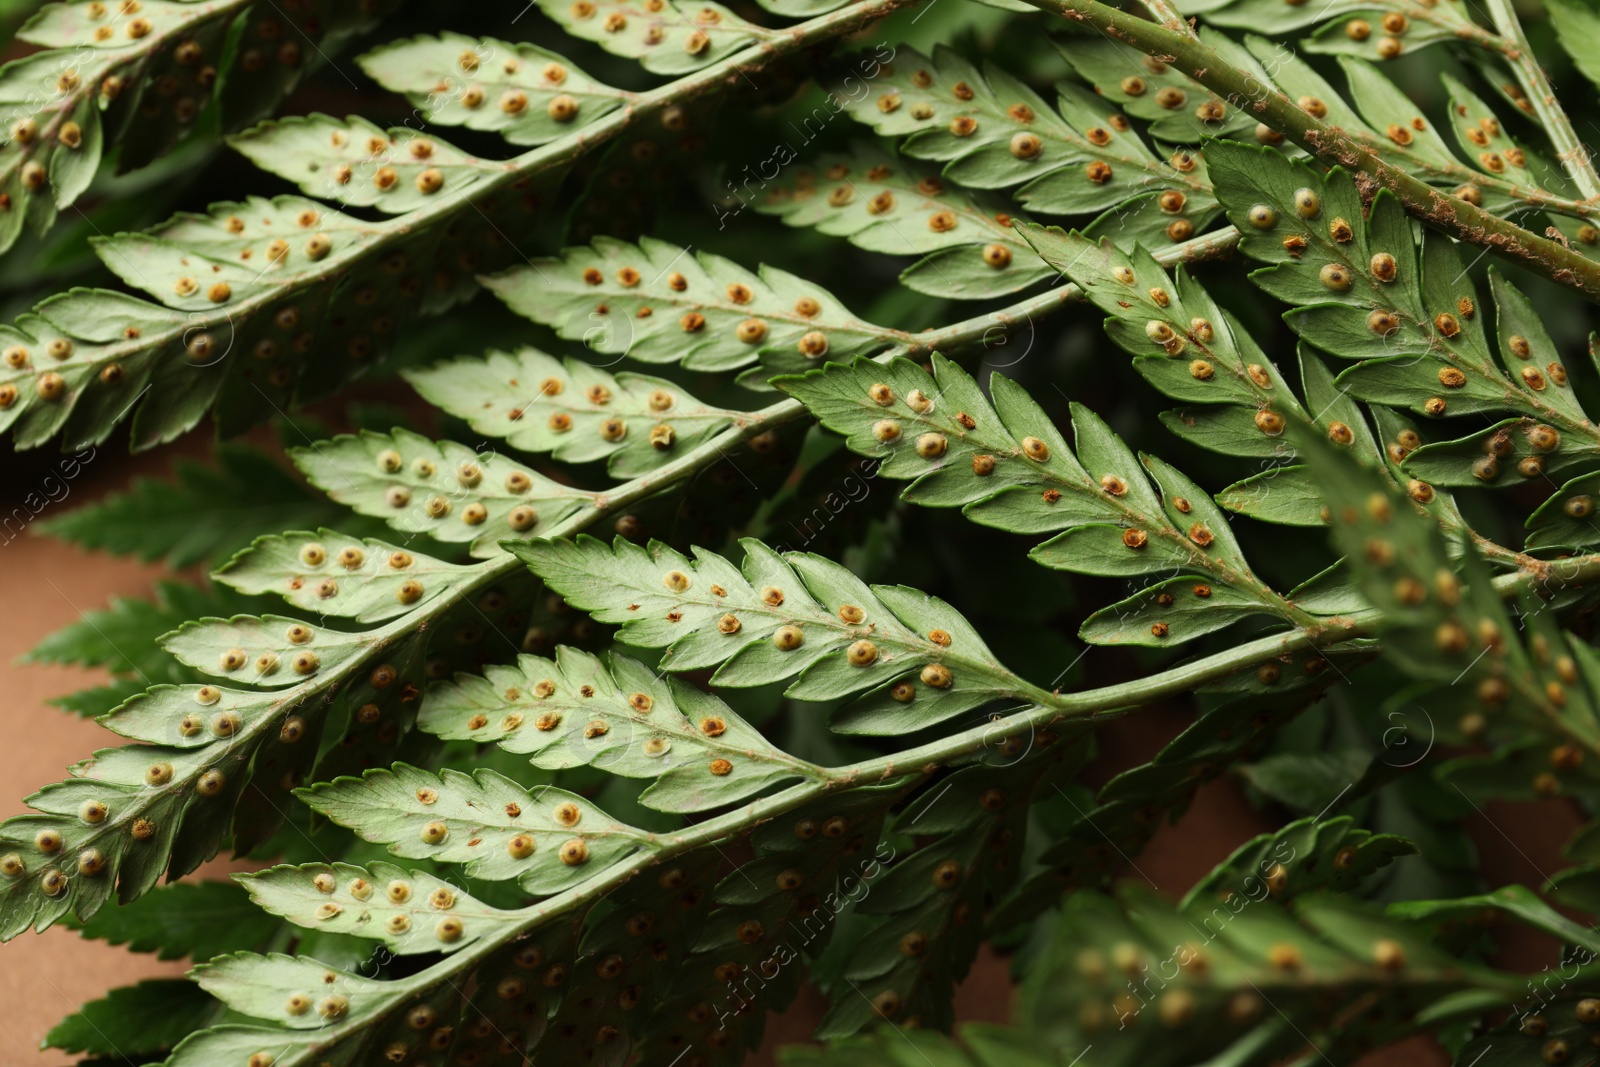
x,y
993,132
1211,358
142,1020
497,829
448,491
1453,629
571,409
525,93
1182,343
328,573
665,39
658,303
1385,35
968,246
620,716
203,515
783,615
1280,115
1416,27
285,280
140,80
398,906
1007,466
355,163
1362,291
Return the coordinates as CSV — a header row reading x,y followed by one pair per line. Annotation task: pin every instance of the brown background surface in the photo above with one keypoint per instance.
x,y
43,977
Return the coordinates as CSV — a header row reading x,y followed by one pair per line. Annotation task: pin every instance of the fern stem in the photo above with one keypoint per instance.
x,y
1547,109
1168,15
1332,146
1521,195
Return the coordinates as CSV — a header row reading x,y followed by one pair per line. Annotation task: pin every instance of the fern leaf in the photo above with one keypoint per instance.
x,y
1381,39
141,80
620,716
353,162
571,409
1455,630
1486,143
122,638
993,132
130,814
330,574
968,247
1563,519
103,829
1289,494
781,616
1523,767
286,988
1525,448
56,138
1182,343
1558,1016
205,513
1387,108
285,651
277,279
665,39
1229,966
237,254
1179,109
524,93
547,841
1008,467
448,491
1575,29
657,303
1413,320
111,345
1163,97
139,1021
233,280
194,919
1210,357
800,8
1307,856
401,908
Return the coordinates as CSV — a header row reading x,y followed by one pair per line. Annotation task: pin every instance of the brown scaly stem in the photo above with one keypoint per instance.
x,y
1572,152
1332,146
